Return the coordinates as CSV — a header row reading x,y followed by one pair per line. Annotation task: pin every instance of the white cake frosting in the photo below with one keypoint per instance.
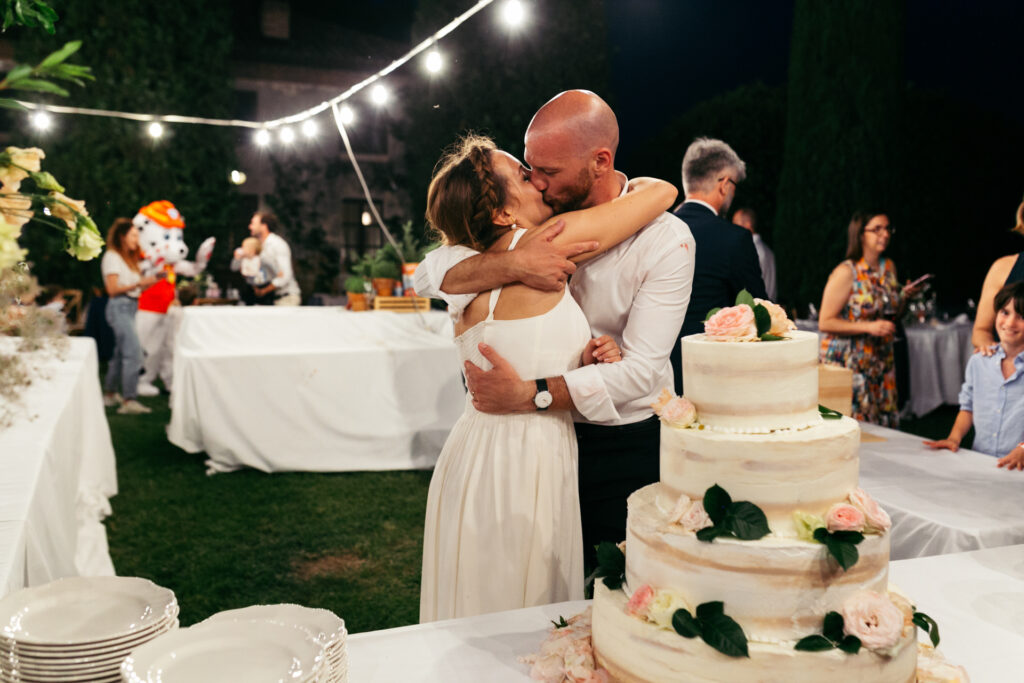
x,y
780,472
753,387
760,437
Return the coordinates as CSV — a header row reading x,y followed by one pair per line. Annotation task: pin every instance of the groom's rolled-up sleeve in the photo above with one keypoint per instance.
x,y
600,390
430,273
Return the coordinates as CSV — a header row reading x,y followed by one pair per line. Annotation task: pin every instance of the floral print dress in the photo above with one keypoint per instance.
x,y
870,358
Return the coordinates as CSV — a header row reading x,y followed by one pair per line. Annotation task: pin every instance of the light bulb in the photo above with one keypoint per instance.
x,y
237,177
155,129
41,120
346,114
434,62
309,128
263,137
379,94
513,13
287,135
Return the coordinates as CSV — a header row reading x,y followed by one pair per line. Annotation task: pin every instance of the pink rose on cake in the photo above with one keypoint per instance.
x,y
696,518
640,601
877,519
873,619
844,517
735,323
780,321
674,410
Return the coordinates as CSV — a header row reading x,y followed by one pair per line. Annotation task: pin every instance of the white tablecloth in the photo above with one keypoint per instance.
x,y
57,470
977,598
938,355
940,502
314,388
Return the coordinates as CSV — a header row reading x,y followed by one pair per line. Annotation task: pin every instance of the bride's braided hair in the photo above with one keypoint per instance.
x,y
465,193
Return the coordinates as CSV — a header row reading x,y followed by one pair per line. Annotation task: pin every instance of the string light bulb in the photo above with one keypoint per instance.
x,y
287,135
379,95
263,137
434,62
309,128
41,120
155,130
237,177
514,13
347,115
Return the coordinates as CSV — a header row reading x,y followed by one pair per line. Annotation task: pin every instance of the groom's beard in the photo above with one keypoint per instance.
x,y
572,197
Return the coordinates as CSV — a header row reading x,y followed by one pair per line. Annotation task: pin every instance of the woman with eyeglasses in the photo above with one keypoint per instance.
x,y
859,309
1005,271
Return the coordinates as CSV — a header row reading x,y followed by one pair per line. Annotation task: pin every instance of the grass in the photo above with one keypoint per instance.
x,y
350,542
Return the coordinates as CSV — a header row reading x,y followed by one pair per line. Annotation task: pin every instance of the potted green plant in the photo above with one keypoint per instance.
x,y
355,286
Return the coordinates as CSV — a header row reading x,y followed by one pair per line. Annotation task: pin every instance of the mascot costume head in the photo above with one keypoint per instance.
x,y
162,240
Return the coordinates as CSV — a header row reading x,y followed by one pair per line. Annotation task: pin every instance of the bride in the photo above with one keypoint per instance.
x,y
502,529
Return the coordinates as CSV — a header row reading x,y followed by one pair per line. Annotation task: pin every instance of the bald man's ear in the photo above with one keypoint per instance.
x,y
603,161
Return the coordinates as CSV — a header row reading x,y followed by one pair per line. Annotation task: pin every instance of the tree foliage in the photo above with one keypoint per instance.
x,y
495,80
158,58
842,140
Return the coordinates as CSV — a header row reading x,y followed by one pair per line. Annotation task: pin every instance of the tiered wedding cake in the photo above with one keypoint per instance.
x,y
714,590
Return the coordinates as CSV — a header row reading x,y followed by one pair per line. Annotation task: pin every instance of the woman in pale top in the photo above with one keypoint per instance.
x,y
502,528
859,307
124,282
1006,270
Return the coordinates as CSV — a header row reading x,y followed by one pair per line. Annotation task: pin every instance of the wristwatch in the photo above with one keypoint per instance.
x,y
542,399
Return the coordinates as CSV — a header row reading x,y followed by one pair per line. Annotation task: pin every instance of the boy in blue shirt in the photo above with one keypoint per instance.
x,y
992,397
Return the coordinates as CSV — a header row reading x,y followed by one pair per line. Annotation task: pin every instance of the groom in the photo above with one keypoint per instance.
x,y
636,292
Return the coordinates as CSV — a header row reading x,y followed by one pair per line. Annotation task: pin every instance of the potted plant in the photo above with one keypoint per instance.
x,y
414,248
385,272
355,286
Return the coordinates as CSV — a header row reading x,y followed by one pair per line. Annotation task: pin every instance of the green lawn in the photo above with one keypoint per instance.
x,y
350,542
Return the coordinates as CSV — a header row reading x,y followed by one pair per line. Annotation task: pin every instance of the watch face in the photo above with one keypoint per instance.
x,y
542,399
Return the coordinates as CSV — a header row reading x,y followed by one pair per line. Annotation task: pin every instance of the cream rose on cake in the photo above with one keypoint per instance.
x,y
780,321
674,411
877,520
844,517
735,323
873,619
664,605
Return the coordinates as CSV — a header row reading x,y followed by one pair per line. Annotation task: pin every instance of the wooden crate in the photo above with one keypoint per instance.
x,y
401,304
835,388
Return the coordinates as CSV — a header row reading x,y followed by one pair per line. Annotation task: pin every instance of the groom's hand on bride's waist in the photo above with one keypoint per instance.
x,y
500,390
542,264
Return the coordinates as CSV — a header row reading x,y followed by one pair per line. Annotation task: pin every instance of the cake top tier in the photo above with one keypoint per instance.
x,y
755,386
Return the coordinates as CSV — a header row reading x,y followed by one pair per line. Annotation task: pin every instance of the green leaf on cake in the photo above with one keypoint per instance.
x,y
928,625
833,627
746,521
724,634
716,503
711,533
814,644
772,337
763,319
561,623
711,313
842,545
744,298
684,624
828,413
707,610
611,565
850,645
853,537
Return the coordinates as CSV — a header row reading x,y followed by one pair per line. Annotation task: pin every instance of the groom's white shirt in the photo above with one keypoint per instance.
x,y
636,292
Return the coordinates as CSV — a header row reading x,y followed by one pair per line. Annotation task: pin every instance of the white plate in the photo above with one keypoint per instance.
x,y
81,610
34,664
251,651
326,627
86,651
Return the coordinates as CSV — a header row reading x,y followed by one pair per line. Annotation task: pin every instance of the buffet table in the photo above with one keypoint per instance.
x,y
57,470
977,598
940,502
938,353
314,388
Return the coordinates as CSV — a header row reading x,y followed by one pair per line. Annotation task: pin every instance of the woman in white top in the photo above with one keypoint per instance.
x,y
123,282
502,527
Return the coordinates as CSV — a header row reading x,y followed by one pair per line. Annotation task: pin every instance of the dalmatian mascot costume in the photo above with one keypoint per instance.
x,y
162,241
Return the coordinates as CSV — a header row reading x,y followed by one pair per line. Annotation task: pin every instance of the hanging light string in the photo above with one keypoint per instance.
x,y
275,123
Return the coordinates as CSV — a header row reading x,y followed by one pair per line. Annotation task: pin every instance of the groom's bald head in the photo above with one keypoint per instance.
x,y
570,146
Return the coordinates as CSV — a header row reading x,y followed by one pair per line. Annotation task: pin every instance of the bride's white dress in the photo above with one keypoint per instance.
x,y
503,528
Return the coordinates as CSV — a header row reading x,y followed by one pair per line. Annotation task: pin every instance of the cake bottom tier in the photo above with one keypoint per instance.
x,y
636,651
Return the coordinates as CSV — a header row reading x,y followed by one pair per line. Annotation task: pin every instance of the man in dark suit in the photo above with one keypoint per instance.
x,y
726,257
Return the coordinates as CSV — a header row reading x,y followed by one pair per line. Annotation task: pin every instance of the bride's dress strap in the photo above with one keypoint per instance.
x,y
495,293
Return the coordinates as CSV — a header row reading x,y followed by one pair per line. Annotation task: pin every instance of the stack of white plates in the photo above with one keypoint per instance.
x,y
325,628
249,651
80,629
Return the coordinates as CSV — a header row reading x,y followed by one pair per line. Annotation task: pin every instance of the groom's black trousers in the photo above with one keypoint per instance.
x,y
613,462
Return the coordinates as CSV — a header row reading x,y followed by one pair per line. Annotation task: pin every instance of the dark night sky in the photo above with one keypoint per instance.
x,y
667,55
